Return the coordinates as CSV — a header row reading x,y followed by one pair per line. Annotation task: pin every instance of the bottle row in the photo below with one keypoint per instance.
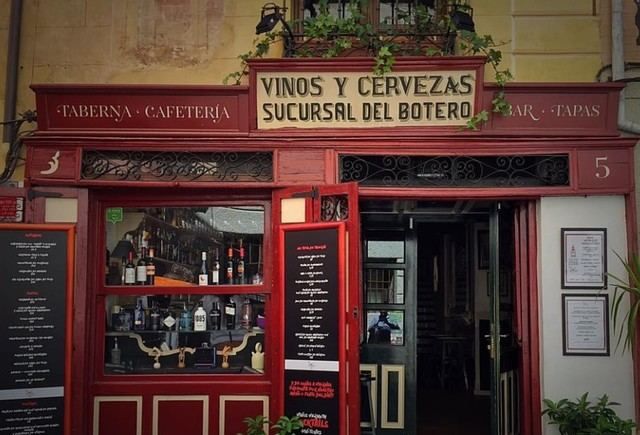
x,y
144,268
195,245
185,313
169,334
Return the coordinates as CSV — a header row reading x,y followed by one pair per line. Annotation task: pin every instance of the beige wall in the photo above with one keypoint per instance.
x,y
198,41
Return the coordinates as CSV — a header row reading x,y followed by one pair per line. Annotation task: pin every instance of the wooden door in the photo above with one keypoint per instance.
x,y
388,352
338,204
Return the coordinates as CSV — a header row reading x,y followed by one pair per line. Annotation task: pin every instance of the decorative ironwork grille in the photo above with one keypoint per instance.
x,y
456,171
334,208
177,166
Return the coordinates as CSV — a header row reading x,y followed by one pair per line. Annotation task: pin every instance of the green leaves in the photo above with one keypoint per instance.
x,y
284,425
624,324
581,417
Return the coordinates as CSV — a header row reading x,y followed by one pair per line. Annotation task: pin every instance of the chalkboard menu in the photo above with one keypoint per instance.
x,y
312,319
33,288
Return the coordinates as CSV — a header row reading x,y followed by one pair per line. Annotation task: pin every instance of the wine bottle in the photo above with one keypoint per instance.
x,y
246,314
151,268
200,319
130,271
230,265
154,317
138,317
240,266
215,317
141,269
186,319
230,313
215,270
169,321
116,352
203,276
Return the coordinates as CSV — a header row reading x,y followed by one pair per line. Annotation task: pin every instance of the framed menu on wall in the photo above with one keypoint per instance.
x,y
585,324
584,258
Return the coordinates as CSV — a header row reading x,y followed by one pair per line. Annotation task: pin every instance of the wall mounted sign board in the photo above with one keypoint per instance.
x,y
585,324
35,324
313,312
584,258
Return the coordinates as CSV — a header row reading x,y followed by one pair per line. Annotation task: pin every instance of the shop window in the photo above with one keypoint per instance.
x,y
184,334
183,290
173,243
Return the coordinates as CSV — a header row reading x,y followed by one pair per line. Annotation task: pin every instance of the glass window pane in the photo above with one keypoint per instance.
x,y
179,334
390,251
384,286
385,327
168,246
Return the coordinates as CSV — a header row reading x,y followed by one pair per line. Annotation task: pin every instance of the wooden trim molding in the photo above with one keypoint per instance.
x,y
239,398
385,423
205,410
100,399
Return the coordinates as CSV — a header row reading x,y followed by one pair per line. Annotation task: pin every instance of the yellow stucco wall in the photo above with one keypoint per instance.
x,y
188,41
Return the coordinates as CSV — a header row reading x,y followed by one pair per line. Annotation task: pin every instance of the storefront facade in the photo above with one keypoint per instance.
x,y
438,260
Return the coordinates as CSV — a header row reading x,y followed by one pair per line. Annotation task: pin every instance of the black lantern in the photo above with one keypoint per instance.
x,y
270,16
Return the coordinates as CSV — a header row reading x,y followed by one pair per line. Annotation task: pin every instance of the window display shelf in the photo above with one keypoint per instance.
x,y
159,334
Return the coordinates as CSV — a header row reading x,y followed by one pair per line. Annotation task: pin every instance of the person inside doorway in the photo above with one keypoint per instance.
x,y
380,330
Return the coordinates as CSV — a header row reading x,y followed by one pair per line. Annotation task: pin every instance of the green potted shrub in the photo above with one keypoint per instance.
x,y
624,324
581,417
284,425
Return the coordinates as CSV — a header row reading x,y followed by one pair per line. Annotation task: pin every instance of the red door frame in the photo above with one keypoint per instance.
x,y
352,304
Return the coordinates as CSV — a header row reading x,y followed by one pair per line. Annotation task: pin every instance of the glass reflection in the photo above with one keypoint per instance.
x,y
175,246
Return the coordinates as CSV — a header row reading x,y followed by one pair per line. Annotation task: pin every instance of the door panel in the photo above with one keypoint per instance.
x,y
328,203
388,343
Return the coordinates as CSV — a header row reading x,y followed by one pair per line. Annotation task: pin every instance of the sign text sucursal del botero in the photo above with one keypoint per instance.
x,y
356,100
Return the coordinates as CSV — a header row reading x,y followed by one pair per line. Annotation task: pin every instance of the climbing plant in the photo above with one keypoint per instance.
x,y
418,33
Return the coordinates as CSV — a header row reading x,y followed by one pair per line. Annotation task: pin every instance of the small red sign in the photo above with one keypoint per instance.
x,y
11,209
604,169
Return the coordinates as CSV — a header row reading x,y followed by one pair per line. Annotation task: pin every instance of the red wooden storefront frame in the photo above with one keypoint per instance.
x,y
293,167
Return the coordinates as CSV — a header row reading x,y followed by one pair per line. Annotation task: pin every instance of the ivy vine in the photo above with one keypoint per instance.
x,y
329,36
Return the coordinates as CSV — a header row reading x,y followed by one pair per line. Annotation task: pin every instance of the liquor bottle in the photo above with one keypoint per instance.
x,y
138,317
246,314
116,352
203,276
215,270
154,317
230,313
169,321
186,319
215,316
200,319
240,266
130,271
141,269
230,265
151,268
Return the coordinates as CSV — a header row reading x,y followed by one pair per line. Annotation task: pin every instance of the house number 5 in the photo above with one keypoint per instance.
x,y
602,170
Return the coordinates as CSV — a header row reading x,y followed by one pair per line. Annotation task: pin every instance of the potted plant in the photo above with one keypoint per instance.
x,y
581,417
624,326
284,425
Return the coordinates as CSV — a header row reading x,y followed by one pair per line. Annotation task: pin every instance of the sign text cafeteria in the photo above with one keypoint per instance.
x,y
348,100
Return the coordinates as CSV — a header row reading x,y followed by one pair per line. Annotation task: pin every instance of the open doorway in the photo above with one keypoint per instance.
x,y
427,282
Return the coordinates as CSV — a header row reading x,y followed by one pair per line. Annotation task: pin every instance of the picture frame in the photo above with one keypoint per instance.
x,y
585,324
584,258
483,249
